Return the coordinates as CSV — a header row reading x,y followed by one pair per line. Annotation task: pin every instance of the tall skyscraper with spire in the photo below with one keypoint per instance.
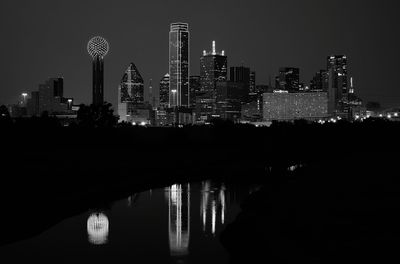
x,y
179,64
213,69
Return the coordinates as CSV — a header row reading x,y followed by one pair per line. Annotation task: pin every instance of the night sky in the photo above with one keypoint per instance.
x,y
47,38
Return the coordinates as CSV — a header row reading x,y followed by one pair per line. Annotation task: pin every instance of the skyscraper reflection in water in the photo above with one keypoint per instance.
x,y
213,206
98,228
179,219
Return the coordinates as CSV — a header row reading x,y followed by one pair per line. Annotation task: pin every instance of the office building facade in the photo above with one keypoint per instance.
x,y
288,79
338,89
195,89
284,106
320,81
241,75
51,96
164,91
179,65
229,99
131,105
253,82
213,69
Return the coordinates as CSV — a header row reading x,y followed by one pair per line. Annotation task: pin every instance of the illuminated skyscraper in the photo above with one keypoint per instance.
x,y
338,64
338,89
213,69
288,79
98,48
164,91
130,93
195,89
230,96
320,81
179,39
253,82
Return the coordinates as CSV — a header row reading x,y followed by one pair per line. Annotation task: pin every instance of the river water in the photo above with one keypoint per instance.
x,y
177,224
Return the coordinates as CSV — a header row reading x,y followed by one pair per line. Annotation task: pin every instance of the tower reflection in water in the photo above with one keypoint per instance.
x,y
98,228
179,219
213,206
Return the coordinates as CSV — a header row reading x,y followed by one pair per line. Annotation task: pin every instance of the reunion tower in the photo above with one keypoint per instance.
x,y
98,48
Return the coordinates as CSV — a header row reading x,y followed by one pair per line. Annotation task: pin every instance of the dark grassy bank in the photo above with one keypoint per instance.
x,y
52,172
322,213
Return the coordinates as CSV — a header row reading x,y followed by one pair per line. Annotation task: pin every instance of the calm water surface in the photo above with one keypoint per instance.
x,y
178,224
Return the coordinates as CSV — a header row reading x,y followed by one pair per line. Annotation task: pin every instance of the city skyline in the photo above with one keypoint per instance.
x,y
265,50
194,132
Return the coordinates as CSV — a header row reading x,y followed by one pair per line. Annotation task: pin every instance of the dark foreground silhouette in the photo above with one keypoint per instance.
x,y
343,210
49,173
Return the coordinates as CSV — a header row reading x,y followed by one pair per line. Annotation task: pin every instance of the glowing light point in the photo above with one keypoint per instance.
x,y
214,49
98,47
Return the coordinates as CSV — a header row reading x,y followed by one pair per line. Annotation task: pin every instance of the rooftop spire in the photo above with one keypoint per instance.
x,y
214,50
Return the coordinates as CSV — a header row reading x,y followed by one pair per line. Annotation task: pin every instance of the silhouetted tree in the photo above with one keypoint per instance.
x,y
97,116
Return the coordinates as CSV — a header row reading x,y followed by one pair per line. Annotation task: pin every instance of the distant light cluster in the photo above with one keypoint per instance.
x,y
98,46
292,106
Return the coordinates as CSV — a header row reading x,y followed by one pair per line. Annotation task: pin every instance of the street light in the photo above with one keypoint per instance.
x,y
24,96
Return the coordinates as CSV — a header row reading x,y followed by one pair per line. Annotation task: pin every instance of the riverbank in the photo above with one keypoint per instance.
x,y
322,214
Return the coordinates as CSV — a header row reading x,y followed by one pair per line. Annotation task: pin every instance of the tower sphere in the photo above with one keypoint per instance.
x,y
98,46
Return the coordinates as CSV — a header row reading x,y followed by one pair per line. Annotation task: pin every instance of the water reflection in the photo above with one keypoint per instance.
x,y
215,203
98,228
179,219
160,226
213,206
